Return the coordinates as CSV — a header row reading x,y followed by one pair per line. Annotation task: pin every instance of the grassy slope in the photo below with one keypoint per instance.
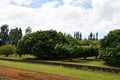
x,y
78,62
81,74
88,63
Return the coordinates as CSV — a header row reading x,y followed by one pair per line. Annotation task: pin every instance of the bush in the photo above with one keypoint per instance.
x,y
110,48
78,51
7,50
41,43
112,57
63,51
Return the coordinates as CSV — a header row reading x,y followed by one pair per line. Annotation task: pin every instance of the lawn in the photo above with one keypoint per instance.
x,y
78,61
86,62
59,70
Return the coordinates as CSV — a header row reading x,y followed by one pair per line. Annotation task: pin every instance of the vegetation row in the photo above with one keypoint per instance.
x,y
51,44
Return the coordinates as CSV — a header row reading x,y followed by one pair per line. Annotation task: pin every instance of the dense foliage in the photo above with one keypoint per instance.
x,y
41,43
7,50
4,34
15,35
51,44
11,36
110,48
48,44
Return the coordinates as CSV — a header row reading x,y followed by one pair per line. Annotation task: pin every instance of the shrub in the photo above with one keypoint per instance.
x,y
41,43
63,51
7,50
84,51
110,48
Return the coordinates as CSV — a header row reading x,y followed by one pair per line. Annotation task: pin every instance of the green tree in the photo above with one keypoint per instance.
x,y
110,48
7,50
90,37
71,41
4,34
97,36
15,35
78,35
41,43
63,51
28,30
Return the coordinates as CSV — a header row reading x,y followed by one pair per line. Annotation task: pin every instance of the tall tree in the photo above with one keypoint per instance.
x,y
4,33
80,36
97,36
90,37
28,30
15,35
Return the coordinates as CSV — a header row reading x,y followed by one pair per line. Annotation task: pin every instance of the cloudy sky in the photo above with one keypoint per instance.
x,y
62,15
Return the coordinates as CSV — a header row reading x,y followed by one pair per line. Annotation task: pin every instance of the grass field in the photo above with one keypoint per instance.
x,y
77,61
88,63
59,70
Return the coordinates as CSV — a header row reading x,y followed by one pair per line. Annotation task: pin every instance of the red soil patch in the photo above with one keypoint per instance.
x,y
19,74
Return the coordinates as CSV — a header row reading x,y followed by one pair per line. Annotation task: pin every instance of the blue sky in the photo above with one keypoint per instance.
x,y
39,3
36,3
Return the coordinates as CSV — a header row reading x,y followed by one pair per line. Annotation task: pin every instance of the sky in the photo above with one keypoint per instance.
x,y
66,16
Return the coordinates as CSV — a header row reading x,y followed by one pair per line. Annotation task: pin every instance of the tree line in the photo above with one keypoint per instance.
x,y
12,36
50,44
45,44
92,36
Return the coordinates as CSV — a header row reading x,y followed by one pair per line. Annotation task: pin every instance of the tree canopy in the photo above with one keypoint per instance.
x,y
15,35
41,43
110,48
4,34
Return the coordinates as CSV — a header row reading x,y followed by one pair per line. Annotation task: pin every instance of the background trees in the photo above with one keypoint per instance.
x,y
9,36
110,48
28,30
15,35
49,44
4,34
78,35
93,36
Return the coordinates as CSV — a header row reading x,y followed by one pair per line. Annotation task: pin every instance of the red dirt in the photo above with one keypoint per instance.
x,y
19,74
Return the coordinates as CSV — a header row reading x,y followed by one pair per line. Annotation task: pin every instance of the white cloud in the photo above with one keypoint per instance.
x,y
67,1
52,4
80,2
107,11
4,3
103,17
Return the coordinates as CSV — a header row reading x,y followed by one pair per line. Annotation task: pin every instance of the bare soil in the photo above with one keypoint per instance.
x,y
19,74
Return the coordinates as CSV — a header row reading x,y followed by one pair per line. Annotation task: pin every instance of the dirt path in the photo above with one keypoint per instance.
x,y
18,74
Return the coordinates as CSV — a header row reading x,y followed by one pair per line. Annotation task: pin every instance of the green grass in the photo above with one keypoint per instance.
x,y
78,61
88,63
17,57
59,70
